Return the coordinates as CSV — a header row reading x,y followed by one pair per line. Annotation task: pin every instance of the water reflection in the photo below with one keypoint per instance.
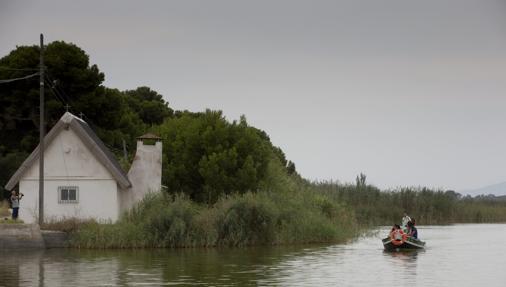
x,y
147,267
404,260
452,259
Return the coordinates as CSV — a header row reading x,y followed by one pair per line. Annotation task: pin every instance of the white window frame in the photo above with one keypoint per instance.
x,y
61,201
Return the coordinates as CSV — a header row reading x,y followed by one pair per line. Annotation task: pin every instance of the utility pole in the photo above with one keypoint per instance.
x,y
41,133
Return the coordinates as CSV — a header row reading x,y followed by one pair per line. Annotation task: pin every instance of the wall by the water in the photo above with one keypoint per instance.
x,y
55,239
29,236
16,236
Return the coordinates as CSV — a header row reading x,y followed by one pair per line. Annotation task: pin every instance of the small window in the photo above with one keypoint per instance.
x,y
68,194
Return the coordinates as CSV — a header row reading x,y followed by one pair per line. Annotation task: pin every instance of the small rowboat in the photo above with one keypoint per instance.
x,y
403,243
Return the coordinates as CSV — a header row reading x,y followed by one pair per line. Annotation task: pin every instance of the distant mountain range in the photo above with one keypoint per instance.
x,y
498,189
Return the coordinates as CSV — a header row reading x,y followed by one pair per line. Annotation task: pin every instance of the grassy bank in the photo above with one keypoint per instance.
x,y
163,220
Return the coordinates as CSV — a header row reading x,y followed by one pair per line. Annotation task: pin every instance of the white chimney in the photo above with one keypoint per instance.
x,y
145,174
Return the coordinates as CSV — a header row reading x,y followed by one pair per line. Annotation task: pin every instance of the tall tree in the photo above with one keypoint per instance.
x,y
208,157
68,72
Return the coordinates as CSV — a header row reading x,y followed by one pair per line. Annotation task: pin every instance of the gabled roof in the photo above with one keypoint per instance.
x,y
90,140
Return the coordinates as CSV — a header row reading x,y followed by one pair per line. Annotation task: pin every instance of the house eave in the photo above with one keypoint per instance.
x,y
90,140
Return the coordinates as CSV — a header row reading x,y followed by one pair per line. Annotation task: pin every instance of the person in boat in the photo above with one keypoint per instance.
x,y
396,232
412,231
405,220
392,230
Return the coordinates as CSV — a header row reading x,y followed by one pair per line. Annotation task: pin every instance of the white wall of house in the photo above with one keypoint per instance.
x,y
68,162
96,199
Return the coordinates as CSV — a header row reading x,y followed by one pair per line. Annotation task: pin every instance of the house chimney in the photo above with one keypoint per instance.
x,y
145,173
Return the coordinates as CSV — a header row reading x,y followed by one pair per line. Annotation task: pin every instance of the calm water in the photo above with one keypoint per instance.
x,y
458,255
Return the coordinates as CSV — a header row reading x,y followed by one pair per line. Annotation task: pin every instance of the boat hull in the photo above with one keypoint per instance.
x,y
409,244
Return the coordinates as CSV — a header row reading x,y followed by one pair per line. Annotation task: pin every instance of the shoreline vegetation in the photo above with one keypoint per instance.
x,y
298,213
294,212
226,183
164,221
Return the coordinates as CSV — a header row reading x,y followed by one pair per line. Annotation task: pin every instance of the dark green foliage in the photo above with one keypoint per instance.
x,y
208,157
149,105
290,168
248,221
9,162
66,64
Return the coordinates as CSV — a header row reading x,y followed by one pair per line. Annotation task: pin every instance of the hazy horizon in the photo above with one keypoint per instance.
x,y
409,93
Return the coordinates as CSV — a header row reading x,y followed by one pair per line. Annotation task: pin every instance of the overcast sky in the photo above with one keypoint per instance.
x,y
407,92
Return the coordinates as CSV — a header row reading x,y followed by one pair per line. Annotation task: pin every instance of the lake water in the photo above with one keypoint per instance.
x,y
456,255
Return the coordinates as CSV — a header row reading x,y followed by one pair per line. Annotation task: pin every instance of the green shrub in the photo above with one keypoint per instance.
x,y
247,220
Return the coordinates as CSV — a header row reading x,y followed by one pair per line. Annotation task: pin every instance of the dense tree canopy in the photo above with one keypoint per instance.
x,y
149,105
208,157
67,66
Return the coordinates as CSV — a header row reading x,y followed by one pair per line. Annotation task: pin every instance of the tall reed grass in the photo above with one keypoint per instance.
x,y
373,207
163,220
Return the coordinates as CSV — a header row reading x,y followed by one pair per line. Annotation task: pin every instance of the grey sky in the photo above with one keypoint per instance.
x,y
408,92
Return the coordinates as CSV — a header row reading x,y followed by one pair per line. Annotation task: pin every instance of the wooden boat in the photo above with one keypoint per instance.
x,y
402,243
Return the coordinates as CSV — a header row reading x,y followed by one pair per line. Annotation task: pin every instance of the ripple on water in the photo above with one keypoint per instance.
x,y
456,255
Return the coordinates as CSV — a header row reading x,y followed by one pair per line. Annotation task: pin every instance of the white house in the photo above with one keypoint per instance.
x,y
82,178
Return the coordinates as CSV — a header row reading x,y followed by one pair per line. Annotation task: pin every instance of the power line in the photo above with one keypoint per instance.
x,y
54,92
90,123
52,85
18,79
60,91
18,69
61,96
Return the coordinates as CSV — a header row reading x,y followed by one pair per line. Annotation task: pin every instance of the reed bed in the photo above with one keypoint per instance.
x,y
262,218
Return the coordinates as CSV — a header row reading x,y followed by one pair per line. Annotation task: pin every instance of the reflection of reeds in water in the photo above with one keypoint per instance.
x,y
154,267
